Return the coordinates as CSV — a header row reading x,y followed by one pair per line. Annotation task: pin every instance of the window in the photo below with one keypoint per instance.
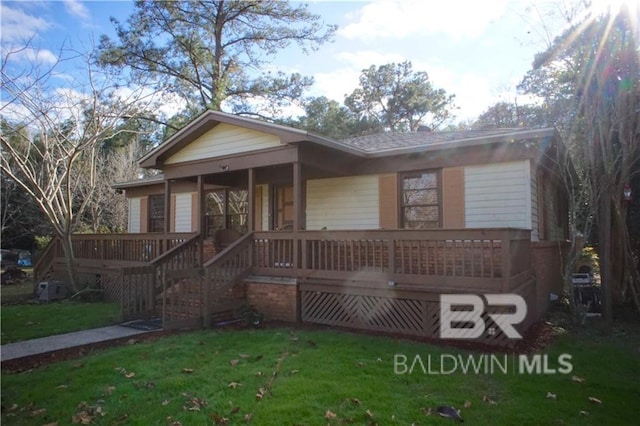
x,y
226,209
156,213
420,201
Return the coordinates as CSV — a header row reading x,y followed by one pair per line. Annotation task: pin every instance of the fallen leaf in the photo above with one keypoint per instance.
x,y
260,393
244,356
488,400
356,401
234,362
109,390
132,342
233,385
219,420
187,370
294,372
171,422
165,402
361,364
259,374
129,374
37,412
426,411
295,338
369,414
584,413
595,400
78,365
577,379
235,410
379,359
467,404
551,395
329,415
62,387
28,323
13,406
82,418
247,417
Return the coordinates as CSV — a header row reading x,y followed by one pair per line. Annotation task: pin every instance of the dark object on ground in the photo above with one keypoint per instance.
x,y
589,296
450,412
12,275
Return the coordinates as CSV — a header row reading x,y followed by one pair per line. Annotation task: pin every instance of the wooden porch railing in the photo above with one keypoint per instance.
x,y
223,271
467,259
126,247
142,286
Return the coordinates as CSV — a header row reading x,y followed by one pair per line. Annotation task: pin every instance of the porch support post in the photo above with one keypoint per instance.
x,y
251,202
167,213
201,218
297,212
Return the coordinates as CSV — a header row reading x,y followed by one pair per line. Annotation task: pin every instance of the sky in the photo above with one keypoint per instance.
x,y
478,50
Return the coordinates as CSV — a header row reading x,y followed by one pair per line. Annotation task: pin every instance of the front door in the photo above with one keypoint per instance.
x,y
282,207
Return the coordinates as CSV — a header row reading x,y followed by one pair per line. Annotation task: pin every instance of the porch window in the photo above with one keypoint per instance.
x,y
156,213
226,209
420,201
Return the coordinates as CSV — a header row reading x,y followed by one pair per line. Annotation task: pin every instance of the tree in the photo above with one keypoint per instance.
x,y
506,115
52,136
399,98
327,117
214,53
596,62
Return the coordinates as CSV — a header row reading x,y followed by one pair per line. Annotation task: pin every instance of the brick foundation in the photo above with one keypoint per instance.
x,y
275,298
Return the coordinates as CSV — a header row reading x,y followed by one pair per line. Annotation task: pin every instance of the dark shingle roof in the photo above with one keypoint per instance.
x,y
382,142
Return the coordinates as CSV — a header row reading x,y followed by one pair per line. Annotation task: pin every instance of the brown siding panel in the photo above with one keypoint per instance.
x,y
195,217
388,189
144,214
453,197
257,222
172,226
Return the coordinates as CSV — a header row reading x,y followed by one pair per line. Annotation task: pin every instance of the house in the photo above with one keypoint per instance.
x,y
362,233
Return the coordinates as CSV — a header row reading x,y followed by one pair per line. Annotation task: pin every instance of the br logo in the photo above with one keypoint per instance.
x,y
468,324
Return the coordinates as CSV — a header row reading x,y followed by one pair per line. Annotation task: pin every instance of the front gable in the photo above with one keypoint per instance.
x,y
224,139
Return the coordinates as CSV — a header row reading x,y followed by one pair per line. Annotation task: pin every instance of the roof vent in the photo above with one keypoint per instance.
x,y
424,129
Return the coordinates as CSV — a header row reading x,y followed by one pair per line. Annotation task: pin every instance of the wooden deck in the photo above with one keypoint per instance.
x,y
383,280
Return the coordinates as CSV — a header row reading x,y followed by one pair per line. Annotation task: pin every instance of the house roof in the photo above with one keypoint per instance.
x,y
375,145
209,119
153,180
383,144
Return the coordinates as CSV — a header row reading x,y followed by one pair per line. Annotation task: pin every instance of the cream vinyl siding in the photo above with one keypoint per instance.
x,y
343,203
224,139
182,211
498,195
134,215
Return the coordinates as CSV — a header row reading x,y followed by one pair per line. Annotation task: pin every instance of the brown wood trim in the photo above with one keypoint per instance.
x,y
453,198
227,164
174,213
388,201
297,197
251,199
195,216
144,214
258,209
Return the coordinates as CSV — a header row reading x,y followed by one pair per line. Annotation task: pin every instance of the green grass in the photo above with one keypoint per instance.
x,y
30,321
188,378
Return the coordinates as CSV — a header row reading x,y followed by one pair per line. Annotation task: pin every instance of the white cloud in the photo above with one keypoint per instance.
x,y
77,9
401,18
17,26
364,59
34,56
336,84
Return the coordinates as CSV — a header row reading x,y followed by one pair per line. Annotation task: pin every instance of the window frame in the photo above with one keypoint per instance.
x,y
151,220
401,196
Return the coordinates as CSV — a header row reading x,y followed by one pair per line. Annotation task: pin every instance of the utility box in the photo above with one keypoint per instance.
x,y
51,290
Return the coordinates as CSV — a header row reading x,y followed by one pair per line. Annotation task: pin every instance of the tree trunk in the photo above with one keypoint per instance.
x,y
70,261
604,252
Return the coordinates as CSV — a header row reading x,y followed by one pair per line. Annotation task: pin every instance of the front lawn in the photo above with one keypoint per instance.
x,y
316,377
30,321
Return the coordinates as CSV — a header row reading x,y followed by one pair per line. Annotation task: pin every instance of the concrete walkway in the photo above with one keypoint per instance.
x,y
64,341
